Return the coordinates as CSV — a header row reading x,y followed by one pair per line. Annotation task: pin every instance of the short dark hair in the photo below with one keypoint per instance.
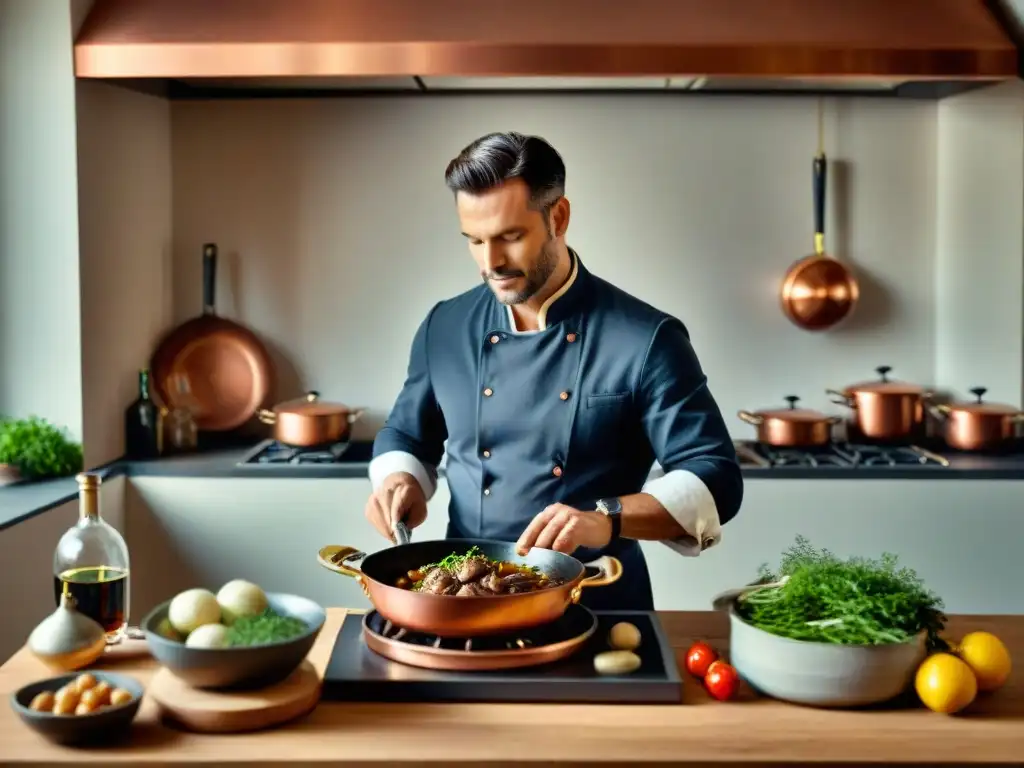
x,y
496,158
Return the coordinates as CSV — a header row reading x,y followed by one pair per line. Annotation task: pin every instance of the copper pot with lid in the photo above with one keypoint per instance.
x,y
978,426
884,409
309,421
791,427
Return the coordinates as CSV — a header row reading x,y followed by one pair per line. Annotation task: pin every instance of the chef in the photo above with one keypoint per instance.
x,y
555,392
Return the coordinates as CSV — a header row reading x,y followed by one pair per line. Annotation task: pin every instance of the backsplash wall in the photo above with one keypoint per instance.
x,y
337,233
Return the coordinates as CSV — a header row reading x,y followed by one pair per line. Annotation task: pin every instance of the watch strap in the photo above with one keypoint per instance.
x,y
612,509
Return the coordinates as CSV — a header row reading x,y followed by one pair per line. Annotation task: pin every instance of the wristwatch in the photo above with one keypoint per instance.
x,y
612,509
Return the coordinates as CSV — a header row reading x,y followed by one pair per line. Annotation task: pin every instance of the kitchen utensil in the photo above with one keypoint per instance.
x,y
791,427
228,369
978,426
884,409
451,616
519,652
309,421
249,666
822,674
102,725
236,711
819,291
725,599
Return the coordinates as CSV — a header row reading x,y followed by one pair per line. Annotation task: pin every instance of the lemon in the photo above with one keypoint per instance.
x,y
945,684
986,655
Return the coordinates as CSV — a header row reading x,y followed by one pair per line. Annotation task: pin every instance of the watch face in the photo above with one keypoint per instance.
x,y
610,506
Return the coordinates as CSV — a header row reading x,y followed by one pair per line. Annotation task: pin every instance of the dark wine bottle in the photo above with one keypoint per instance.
x,y
143,433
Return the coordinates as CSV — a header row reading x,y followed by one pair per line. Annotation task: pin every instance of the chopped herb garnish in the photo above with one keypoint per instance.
x,y
267,627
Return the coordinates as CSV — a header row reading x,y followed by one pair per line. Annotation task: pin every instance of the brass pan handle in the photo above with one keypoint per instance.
x,y
841,398
751,418
336,558
610,571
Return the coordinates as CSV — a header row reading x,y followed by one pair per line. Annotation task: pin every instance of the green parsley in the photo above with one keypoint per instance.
x,y
857,601
264,629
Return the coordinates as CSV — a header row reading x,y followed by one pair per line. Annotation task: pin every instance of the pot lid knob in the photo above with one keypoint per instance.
x,y
792,400
978,392
883,371
312,396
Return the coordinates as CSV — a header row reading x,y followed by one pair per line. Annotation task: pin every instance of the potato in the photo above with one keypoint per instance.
x,y
85,708
42,702
624,636
65,701
616,663
84,682
101,692
119,696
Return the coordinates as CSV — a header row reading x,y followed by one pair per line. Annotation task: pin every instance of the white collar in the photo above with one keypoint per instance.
x,y
542,315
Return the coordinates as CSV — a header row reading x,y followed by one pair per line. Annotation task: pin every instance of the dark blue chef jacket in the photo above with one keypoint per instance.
x,y
574,413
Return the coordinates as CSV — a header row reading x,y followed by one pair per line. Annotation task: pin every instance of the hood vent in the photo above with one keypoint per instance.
x,y
913,47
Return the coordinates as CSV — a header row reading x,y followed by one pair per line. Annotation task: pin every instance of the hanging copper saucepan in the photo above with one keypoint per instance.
x,y
819,291
447,615
884,409
791,427
978,426
309,421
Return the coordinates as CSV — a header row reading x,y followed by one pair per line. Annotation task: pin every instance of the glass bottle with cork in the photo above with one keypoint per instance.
x,y
91,563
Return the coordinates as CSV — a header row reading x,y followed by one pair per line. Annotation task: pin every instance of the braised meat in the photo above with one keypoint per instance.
x,y
474,575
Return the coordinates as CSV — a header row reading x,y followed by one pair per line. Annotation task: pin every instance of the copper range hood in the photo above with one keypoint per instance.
x,y
873,45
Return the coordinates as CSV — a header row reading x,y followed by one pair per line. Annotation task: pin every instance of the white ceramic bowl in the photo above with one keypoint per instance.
x,y
822,674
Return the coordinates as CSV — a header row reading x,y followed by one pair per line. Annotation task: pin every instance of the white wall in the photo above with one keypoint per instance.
x,y
338,234
40,360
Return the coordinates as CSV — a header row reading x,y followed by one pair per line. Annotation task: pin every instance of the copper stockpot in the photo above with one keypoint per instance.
x,y
791,427
977,426
309,421
465,617
884,409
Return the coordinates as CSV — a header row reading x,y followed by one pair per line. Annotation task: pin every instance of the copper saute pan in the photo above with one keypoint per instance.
x,y
451,616
884,409
791,427
978,426
309,421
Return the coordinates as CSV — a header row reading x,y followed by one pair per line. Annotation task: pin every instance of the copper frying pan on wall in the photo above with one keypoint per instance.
x,y
228,370
818,292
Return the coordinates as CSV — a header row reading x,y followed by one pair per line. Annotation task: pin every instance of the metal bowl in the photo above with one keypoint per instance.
x,y
103,725
822,674
250,667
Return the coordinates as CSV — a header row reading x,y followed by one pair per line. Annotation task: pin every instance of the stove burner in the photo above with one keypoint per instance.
x,y
273,452
845,455
530,647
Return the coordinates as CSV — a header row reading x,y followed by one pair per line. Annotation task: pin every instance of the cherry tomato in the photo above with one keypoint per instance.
x,y
722,681
699,658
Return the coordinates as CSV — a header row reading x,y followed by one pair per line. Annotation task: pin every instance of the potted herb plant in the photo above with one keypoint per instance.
x,y
34,449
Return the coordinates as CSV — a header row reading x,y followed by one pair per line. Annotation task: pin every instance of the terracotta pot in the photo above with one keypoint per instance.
x,y
309,421
978,426
884,409
9,474
791,427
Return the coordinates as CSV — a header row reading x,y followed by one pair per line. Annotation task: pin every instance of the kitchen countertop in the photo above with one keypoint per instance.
x,y
748,731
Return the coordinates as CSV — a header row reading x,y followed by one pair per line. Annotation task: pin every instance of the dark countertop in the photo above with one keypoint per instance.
x,y
22,501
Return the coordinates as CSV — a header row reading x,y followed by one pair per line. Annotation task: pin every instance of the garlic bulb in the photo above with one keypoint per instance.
x,y
67,639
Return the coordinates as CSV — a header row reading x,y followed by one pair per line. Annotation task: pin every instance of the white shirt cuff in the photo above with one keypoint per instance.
x,y
399,461
685,497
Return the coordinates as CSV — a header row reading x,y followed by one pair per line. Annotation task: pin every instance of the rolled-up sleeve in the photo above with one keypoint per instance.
x,y
412,439
702,487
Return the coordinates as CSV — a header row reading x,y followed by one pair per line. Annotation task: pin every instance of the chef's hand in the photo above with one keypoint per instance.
x,y
399,497
564,528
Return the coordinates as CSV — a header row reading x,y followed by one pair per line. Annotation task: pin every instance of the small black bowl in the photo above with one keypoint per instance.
x,y
254,666
103,725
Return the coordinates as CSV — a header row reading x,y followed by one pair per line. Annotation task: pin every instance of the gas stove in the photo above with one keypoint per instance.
x,y
837,455
364,664
271,453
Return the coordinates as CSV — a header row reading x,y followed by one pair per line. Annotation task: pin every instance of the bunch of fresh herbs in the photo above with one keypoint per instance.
x,y
38,448
856,601
263,629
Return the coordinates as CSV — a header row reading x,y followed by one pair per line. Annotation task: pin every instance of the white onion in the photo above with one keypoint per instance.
x,y
240,598
193,608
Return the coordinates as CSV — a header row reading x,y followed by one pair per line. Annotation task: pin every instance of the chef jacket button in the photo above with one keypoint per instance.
x,y
564,396
486,454
487,491
556,471
570,337
488,392
495,339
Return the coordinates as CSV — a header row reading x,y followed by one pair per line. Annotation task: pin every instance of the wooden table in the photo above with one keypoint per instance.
x,y
748,731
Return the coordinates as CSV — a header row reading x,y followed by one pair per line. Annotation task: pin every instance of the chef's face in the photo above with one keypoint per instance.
x,y
514,245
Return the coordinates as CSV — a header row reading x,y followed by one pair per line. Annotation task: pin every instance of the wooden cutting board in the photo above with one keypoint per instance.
x,y
235,711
